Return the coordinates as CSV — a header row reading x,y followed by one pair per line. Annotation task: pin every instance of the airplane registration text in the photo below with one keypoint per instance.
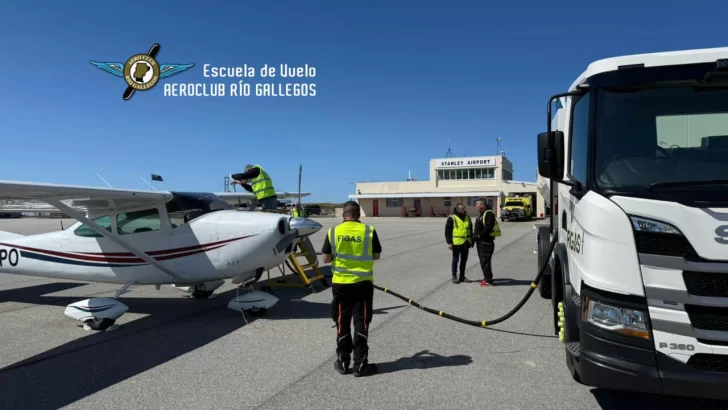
x,y
9,257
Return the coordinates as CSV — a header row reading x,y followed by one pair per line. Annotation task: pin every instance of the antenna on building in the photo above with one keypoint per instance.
x,y
448,154
499,148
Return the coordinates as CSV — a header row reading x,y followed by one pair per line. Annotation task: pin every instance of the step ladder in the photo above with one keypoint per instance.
x,y
303,248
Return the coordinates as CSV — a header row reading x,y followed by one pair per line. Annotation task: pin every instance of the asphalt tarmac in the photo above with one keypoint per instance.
x,y
173,352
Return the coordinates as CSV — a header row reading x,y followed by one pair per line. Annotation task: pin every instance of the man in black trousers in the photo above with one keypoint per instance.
x,y
486,230
459,238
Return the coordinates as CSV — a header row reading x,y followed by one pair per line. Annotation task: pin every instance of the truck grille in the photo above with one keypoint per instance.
x,y
664,244
709,362
706,284
708,317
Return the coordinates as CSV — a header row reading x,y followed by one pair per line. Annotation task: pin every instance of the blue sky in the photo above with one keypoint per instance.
x,y
394,81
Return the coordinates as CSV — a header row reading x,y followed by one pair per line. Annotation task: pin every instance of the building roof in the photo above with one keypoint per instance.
x,y
424,195
510,182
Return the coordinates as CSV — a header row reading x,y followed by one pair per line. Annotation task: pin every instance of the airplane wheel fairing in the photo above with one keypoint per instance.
x,y
97,313
254,302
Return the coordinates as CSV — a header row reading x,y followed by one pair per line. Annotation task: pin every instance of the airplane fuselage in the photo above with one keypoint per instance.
x,y
219,244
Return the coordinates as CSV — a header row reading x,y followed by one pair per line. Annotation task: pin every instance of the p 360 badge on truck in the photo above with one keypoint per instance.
x,y
677,346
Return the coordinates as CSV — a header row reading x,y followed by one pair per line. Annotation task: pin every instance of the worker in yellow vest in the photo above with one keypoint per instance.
x,y
257,181
297,211
352,247
459,238
485,231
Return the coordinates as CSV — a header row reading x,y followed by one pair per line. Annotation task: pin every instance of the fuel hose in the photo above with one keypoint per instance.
x,y
482,323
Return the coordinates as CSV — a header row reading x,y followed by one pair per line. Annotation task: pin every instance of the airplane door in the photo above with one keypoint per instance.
x,y
375,205
190,242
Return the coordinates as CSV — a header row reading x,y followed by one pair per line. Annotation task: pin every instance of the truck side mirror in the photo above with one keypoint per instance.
x,y
551,155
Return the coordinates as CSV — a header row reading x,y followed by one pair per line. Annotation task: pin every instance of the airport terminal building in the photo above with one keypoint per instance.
x,y
452,180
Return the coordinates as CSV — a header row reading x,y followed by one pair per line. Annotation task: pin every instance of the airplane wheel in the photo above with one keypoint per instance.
x,y
257,311
101,325
202,295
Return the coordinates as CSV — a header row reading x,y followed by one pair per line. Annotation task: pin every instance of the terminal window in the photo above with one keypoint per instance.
x,y
394,202
468,173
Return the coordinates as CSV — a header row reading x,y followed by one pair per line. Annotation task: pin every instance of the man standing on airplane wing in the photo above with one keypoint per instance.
x,y
257,181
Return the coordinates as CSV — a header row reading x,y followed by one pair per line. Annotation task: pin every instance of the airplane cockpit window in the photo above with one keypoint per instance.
x,y
86,231
147,220
183,216
185,207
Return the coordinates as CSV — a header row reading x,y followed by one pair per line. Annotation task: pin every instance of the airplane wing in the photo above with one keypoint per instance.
x,y
232,197
80,198
74,200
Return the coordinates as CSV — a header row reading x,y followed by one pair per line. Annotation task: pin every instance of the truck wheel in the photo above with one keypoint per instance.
x,y
544,286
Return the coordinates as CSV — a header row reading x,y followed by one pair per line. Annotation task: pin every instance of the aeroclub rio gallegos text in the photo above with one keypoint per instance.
x,y
241,86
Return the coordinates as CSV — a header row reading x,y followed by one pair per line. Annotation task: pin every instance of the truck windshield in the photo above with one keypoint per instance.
x,y
514,203
660,135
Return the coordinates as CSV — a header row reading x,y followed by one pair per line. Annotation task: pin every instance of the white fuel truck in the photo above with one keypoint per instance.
x,y
637,157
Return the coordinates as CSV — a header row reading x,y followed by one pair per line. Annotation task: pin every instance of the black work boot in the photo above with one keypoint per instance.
x,y
364,369
341,367
455,280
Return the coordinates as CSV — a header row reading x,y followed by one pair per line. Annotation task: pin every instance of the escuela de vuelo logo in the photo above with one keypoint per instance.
x,y
267,80
141,71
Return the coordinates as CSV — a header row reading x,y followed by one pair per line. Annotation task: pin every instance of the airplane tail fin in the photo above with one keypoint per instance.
x,y
9,235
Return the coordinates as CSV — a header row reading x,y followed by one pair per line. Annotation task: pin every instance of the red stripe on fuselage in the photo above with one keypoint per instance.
x,y
165,251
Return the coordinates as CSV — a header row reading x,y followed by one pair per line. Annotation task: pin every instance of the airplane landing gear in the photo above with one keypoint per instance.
x,y
202,294
98,314
102,325
201,290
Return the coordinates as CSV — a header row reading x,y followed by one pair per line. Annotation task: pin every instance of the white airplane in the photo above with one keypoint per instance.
x,y
193,241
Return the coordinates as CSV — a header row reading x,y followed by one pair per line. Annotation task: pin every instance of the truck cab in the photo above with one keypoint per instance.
x,y
638,271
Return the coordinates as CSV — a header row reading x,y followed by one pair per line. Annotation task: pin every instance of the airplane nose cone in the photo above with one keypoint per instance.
x,y
305,226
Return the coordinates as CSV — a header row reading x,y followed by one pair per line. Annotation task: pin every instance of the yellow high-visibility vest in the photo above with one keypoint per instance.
x,y
460,231
294,213
496,228
262,185
351,248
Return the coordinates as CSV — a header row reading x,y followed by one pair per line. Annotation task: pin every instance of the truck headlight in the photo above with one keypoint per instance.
x,y
652,226
624,321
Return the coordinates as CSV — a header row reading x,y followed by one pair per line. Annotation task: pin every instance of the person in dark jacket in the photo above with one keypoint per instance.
x,y
459,238
485,231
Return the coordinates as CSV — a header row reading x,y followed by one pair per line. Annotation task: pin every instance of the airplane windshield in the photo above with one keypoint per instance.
x,y
201,201
185,207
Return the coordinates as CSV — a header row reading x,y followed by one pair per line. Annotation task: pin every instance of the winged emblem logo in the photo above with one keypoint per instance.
x,y
141,71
